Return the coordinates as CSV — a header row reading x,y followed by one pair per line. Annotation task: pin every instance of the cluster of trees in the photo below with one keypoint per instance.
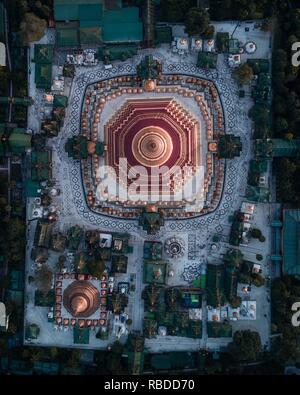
x,y
196,19
29,17
66,357
286,103
12,241
241,9
246,275
257,234
110,361
285,292
197,23
243,74
175,11
246,346
19,8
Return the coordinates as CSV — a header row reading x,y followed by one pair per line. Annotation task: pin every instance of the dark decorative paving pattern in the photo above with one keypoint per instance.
x,y
236,169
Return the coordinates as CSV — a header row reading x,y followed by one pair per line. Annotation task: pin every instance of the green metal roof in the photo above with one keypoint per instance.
x,y
207,60
67,37
43,75
286,148
122,25
81,335
291,241
70,10
60,101
43,53
233,46
258,194
123,32
17,143
90,35
222,39
32,189
16,280
117,52
32,331
40,165
87,12
128,14
163,34
67,12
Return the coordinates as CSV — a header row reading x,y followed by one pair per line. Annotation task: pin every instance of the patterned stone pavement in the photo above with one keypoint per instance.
x,y
236,122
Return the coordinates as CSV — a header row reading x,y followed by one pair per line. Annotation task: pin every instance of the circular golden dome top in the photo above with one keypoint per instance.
x,y
152,146
81,298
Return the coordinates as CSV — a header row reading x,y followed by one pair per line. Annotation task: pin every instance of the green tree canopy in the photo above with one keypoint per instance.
x,y
32,28
243,74
246,346
95,267
198,23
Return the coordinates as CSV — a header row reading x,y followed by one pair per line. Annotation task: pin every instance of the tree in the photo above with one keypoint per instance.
x,y
281,124
61,263
259,257
32,28
174,11
53,353
246,346
257,280
43,279
197,23
113,360
95,267
233,258
266,25
256,233
280,60
235,301
4,281
73,360
129,322
260,114
243,74
288,136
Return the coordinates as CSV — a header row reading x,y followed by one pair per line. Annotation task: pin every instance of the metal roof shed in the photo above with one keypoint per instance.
x,y
122,25
67,38
291,242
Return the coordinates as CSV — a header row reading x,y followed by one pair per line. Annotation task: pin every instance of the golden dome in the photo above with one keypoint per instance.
x,y
149,85
91,147
81,299
152,146
79,304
